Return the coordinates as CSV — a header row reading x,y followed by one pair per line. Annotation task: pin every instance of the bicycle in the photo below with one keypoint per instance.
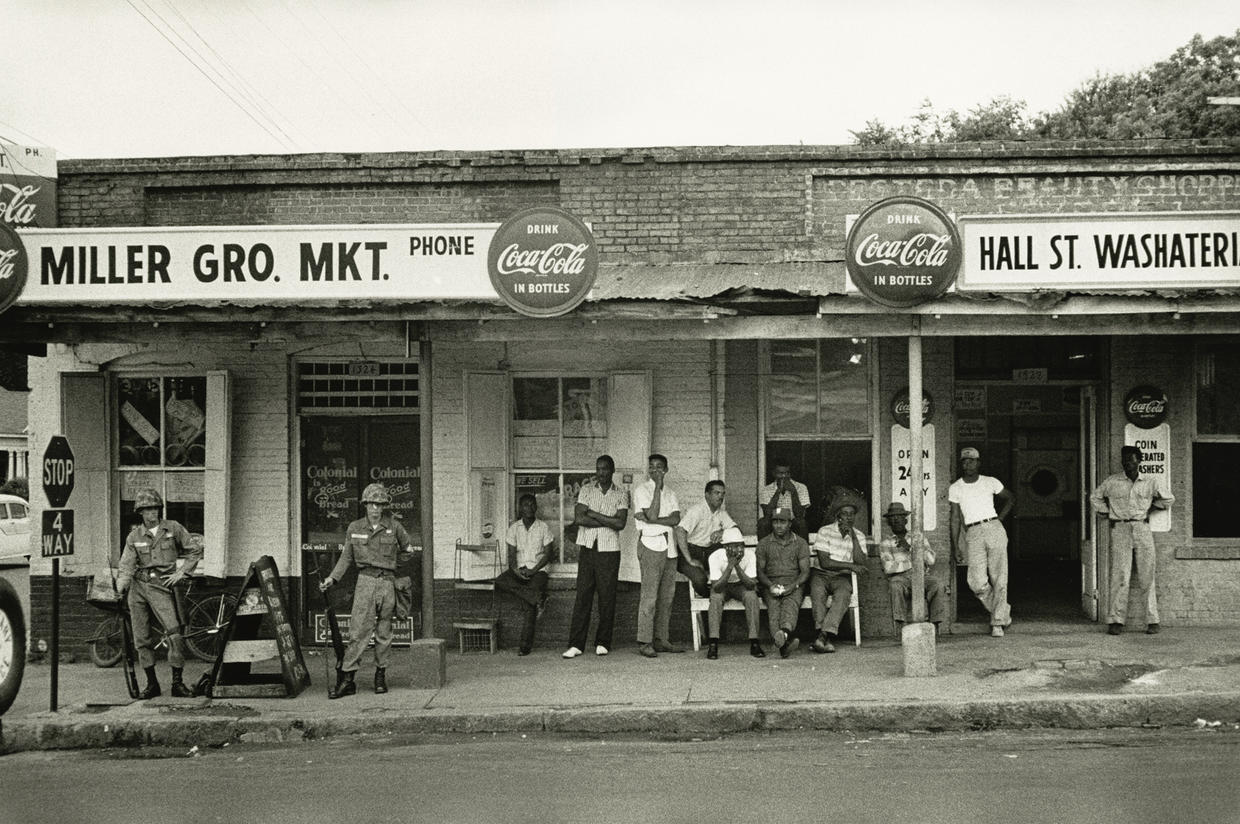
x,y
203,633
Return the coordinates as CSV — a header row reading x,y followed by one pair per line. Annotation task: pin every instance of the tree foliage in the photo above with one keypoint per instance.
x,y
1166,100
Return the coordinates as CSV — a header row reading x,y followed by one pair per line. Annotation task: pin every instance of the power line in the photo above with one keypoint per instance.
x,y
212,80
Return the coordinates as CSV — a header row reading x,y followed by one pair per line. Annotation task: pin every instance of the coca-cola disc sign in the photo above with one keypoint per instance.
x,y
900,407
903,251
12,267
1145,406
543,261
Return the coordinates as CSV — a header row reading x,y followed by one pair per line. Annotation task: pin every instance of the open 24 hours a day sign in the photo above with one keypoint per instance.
x,y
258,264
1065,252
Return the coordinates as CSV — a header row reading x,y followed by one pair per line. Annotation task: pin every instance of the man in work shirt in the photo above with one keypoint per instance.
x,y
783,567
656,512
783,493
148,572
529,543
976,526
602,510
372,544
896,553
734,574
1127,499
698,535
840,548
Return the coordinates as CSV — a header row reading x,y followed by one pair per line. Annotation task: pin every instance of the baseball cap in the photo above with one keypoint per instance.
x,y
781,513
970,452
732,535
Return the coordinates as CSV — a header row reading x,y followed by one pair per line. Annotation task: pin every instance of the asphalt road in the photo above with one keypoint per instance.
x,y
1126,777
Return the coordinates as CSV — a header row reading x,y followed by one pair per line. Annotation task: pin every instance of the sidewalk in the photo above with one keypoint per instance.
x,y
1040,675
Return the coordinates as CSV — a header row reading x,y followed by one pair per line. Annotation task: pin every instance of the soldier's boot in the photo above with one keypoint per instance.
x,y
344,685
152,685
380,681
179,690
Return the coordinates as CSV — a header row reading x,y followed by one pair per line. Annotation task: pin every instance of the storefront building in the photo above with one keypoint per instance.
x,y
261,396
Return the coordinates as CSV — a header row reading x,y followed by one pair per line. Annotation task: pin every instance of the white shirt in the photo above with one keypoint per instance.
x,y
655,536
718,562
699,523
976,500
785,499
530,543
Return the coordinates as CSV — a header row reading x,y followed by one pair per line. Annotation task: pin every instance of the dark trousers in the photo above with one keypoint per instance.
x,y
597,572
698,577
529,594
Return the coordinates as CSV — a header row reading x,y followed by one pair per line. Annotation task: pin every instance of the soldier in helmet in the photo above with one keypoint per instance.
x,y
372,544
148,572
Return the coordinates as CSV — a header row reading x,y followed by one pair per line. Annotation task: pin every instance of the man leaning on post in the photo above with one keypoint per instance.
x,y
371,544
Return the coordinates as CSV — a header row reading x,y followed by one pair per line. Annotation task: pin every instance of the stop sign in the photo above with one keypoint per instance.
x,y
58,471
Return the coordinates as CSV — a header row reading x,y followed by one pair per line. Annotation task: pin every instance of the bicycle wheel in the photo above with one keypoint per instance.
x,y
204,633
107,647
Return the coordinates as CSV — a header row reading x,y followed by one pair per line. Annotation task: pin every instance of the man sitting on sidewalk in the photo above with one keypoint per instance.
x,y
734,574
783,566
896,552
529,550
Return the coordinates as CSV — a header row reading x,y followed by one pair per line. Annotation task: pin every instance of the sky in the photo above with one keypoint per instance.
x,y
111,78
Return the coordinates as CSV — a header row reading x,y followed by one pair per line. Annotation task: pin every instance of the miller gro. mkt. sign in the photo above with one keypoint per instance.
x,y
903,251
543,261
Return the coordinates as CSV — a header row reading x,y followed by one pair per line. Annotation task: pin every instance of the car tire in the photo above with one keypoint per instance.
x,y
12,645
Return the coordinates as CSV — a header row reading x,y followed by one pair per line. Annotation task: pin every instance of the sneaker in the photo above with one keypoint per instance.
x,y
996,632
571,652
755,649
712,651
1115,629
600,650
666,646
1152,629
648,651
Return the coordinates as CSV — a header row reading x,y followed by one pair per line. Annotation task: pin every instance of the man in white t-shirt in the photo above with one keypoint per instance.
x,y
976,526
529,543
734,574
656,512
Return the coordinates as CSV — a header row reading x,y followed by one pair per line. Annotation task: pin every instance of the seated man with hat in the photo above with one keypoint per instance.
x,y
734,574
840,548
783,567
896,553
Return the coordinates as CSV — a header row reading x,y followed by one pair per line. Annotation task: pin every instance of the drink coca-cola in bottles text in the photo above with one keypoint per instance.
x,y
542,261
902,251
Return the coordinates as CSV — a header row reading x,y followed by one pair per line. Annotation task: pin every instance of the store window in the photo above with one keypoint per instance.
x,y
162,443
818,417
1216,443
559,428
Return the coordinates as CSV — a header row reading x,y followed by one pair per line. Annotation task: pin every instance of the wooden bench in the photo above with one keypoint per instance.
x,y
698,606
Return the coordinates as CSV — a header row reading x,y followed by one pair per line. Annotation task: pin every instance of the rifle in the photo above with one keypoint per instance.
x,y
129,653
333,623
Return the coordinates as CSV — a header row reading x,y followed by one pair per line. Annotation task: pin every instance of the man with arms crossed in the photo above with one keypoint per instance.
x,y
699,534
977,529
1127,499
602,509
734,574
656,511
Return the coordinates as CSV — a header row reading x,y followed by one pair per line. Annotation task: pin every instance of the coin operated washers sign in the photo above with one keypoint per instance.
x,y
543,262
902,251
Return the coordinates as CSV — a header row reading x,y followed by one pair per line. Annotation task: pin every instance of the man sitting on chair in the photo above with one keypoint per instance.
x,y
896,553
734,574
840,548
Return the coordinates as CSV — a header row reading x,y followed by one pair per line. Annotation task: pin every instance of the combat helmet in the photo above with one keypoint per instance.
x,y
376,493
148,497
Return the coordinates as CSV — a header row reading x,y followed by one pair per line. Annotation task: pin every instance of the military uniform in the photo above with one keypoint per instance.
x,y
149,556
373,550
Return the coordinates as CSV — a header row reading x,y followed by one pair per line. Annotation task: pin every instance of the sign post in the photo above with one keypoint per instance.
x,y
57,537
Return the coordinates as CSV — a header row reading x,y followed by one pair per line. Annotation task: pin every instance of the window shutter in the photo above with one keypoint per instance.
x,y
216,475
486,402
628,438
83,412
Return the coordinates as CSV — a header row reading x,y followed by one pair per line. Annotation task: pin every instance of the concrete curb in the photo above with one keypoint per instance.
x,y
1084,712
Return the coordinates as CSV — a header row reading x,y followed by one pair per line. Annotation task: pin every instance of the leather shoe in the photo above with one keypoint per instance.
x,y
648,651
380,681
712,651
1115,629
755,649
152,691
179,690
1152,629
666,646
344,685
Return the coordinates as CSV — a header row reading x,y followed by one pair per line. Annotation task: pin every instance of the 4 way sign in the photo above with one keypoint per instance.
x,y
57,533
58,486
